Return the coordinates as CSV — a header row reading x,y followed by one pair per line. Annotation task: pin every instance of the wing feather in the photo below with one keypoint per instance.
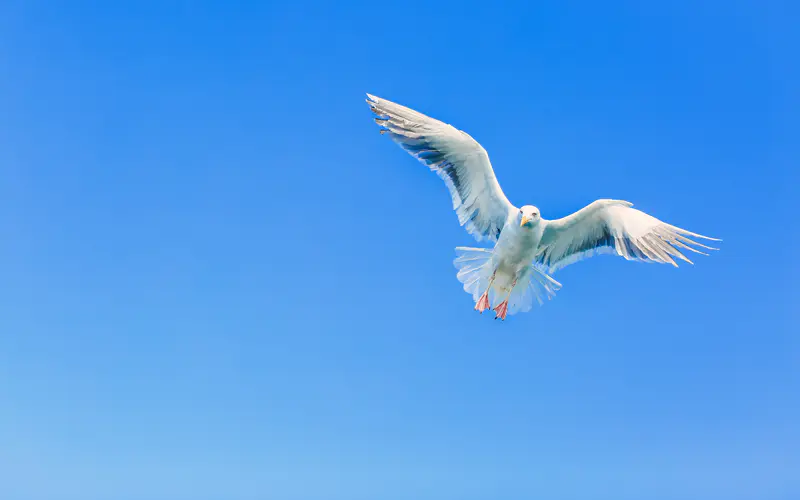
x,y
613,227
457,158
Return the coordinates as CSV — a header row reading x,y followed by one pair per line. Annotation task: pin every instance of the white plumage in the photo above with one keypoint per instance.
x,y
457,158
514,273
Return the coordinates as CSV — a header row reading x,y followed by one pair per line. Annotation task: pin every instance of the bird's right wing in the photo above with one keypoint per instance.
x,y
612,226
457,158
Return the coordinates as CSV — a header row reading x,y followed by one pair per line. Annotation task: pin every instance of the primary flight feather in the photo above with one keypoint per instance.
x,y
515,273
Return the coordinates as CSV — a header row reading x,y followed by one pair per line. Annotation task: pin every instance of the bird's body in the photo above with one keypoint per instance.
x,y
517,246
528,248
514,252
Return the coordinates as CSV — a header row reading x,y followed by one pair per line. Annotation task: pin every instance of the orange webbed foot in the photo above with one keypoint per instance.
x,y
483,302
501,310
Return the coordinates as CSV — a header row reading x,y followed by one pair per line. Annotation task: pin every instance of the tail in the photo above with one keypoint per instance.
x,y
475,269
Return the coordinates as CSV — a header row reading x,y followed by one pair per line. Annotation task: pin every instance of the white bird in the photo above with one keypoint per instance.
x,y
510,276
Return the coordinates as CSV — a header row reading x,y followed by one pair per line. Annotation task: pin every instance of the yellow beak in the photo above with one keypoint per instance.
x,y
525,220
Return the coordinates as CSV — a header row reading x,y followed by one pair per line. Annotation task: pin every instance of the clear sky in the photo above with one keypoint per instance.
x,y
219,280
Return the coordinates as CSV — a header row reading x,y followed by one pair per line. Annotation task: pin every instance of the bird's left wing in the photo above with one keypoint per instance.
x,y
457,158
612,226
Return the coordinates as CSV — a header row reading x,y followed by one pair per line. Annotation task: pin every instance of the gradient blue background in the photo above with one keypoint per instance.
x,y
219,281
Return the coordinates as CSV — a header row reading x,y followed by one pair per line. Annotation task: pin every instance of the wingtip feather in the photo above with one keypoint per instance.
x,y
696,235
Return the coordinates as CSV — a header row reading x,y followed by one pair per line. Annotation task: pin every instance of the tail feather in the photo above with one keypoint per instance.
x,y
539,287
475,270
472,269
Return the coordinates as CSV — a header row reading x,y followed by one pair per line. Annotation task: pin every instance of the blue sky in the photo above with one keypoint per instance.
x,y
219,281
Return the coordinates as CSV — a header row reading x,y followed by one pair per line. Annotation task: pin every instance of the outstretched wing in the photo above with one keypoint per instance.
x,y
457,158
612,226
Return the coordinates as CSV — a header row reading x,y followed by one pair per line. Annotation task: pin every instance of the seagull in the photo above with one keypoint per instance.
x,y
527,248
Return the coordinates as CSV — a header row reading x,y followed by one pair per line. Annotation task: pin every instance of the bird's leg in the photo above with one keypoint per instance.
x,y
502,308
483,302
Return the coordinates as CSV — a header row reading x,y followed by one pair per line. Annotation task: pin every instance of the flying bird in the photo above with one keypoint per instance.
x,y
527,248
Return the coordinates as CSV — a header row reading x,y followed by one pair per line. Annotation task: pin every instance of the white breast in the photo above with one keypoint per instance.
x,y
516,247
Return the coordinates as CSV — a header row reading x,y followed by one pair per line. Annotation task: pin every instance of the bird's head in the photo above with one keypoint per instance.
x,y
529,216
